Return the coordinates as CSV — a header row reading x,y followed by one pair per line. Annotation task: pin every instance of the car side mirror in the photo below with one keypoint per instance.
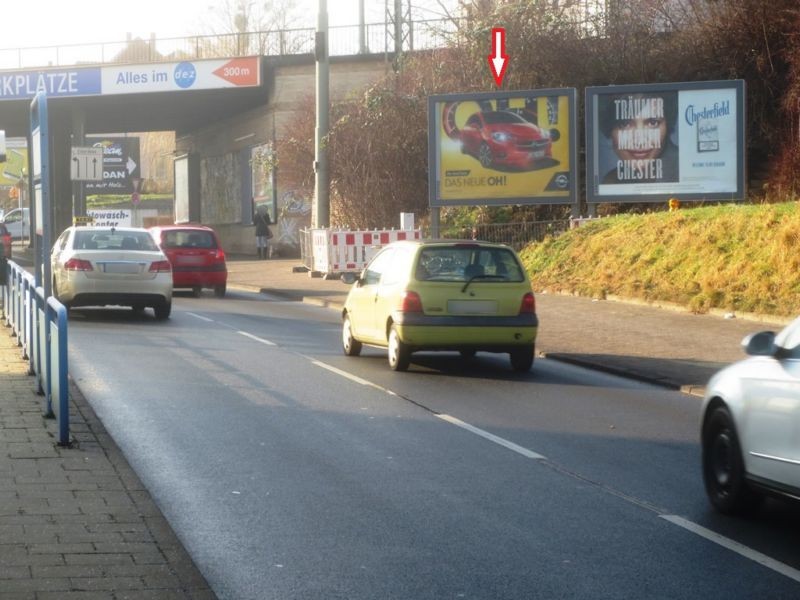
x,y
349,278
760,344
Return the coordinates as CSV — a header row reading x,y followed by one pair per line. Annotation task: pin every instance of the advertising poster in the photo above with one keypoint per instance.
x,y
654,142
16,164
120,165
502,148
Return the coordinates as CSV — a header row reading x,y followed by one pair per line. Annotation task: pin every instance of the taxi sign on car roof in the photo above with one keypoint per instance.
x,y
82,220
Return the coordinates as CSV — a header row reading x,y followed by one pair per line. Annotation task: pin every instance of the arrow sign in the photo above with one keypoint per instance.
x,y
240,71
130,165
84,166
498,60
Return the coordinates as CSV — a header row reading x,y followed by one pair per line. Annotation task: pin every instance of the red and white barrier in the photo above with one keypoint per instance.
x,y
338,251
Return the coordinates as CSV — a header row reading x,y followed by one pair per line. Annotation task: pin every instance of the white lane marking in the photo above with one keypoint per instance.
x,y
345,374
491,437
201,317
736,547
256,338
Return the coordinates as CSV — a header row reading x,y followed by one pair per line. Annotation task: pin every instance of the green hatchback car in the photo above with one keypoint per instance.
x,y
442,295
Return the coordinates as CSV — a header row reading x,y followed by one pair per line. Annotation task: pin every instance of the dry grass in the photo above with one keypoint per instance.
x,y
733,257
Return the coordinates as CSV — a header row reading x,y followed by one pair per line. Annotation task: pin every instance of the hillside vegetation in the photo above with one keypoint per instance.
x,y
733,257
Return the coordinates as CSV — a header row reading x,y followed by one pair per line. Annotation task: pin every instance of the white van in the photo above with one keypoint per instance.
x,y
18,223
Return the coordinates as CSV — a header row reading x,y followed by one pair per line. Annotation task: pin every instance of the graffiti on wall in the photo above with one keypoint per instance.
x,y
219,182
294,216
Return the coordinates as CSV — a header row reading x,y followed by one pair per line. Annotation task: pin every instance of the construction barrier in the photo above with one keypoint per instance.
x,y
340,251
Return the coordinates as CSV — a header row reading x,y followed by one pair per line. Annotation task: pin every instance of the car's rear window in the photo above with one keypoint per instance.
x,y
188,239
464,262
107,239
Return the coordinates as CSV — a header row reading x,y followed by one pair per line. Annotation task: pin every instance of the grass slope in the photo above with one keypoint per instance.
x,y
733,257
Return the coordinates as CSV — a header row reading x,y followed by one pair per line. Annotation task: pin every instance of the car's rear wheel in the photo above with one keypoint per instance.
x,y
485,155
219,290
137,309
162,310
723,467
350,345
522,358
399,353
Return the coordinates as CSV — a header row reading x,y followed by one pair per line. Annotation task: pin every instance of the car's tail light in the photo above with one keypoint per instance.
x,y
220,256
528,304
411,302
160,266
77,264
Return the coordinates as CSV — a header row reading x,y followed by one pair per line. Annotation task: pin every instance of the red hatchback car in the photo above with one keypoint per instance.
x,y
197,258
500,138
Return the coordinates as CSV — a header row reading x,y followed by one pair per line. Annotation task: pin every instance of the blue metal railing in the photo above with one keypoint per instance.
x,y
33,318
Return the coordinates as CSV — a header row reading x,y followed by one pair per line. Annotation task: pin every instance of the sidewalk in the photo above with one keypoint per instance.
x,y
77,522
673,348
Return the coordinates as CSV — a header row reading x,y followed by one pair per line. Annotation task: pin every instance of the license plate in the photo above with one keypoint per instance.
x,y
472,307
190,260
538,154
127,268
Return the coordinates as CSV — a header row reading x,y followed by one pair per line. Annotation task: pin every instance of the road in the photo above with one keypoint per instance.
x,y
291,471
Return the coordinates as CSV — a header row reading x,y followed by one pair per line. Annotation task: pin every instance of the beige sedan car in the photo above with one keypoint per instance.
x,y
111,266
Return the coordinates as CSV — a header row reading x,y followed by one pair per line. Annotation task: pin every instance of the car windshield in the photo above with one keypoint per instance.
x,y
111,239
188,239
467,261
502,116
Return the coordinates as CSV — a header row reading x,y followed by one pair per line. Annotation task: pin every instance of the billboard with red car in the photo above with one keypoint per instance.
x,y
503,148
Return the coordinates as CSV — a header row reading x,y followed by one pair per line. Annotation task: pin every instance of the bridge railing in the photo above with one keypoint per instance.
x,y
344,40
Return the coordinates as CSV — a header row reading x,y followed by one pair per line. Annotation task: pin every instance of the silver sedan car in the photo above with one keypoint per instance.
x,y
750,429
111,266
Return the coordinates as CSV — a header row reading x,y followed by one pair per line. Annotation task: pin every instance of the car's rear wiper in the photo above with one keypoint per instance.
x,y
474,277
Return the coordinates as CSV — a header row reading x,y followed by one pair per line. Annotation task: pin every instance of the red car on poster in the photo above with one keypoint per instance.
x,y
501,138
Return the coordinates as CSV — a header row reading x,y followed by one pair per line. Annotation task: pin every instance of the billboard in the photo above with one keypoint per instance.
x,y
648,143
120,165
502,148
16,163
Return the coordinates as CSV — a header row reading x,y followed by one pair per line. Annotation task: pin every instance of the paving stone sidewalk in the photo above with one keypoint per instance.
x,y
76,523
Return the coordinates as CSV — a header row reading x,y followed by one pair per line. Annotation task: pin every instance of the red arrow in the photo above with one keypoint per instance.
x,y
498,61
240,71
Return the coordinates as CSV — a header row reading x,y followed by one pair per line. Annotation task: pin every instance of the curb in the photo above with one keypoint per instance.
x,y
690,389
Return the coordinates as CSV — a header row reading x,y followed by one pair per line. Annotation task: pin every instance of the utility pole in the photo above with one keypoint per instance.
x,y
362,29
321,185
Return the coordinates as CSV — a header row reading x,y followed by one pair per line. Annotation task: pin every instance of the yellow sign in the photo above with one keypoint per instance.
x,y
505,148
16,163
82,220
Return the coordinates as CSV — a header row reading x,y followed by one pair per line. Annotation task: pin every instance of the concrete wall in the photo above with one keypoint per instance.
x,y
223,149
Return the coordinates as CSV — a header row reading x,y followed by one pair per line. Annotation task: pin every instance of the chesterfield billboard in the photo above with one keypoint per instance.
x,y
653,142
502,148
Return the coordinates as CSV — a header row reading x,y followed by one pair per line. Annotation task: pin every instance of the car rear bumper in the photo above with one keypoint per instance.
x,y
198,276
488,333
80,290
98,299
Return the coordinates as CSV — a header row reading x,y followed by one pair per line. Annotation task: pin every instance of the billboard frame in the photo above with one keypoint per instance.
x,y
434,149
593,135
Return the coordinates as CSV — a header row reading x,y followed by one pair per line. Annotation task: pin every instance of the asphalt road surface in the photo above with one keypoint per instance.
x,y
291,471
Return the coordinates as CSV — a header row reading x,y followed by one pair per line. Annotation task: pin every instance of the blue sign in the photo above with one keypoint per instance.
x,y
185,75
73,82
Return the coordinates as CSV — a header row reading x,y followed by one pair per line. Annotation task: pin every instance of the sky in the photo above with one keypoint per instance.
x,y
37,23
